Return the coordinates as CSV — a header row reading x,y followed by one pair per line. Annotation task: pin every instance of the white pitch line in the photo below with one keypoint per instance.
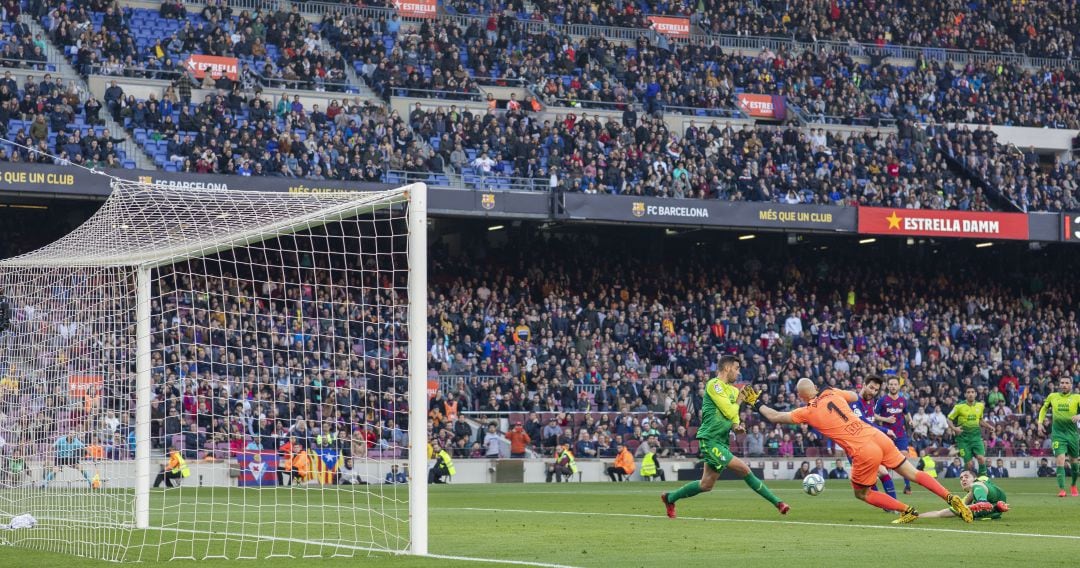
x,y
496,561
366,548
761,521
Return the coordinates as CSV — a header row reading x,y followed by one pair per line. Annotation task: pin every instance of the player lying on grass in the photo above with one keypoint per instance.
x,y
986,500
720,415
829,413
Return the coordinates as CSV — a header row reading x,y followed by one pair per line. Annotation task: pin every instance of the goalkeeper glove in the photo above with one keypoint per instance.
x,y
751,397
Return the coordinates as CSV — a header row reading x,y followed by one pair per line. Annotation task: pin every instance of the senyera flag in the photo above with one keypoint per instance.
x,y
417,8
933,223
671,26
201,64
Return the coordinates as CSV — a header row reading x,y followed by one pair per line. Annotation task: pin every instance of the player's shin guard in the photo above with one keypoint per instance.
x,y
1061,477
688,490
982,469
887,485
924,479
760,488
1075,472
882,501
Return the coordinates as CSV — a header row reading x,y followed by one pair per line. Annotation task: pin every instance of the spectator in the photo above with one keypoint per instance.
x,y
819,468
999,470
552,434
1045,470
350,474
954,469
839,472
396,476
519,440
493,440
803,471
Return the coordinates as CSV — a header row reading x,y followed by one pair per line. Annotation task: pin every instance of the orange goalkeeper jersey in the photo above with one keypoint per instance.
x,y
830,414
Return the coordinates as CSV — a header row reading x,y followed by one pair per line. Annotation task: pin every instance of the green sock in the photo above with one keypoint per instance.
x,y
1061,477
688,490
982,469
759,487
1076,472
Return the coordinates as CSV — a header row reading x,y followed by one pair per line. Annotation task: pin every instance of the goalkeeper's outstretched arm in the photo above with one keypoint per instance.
x,y
752,397
775,416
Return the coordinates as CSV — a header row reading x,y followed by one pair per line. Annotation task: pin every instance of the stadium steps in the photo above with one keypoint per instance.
x,y
132,151
355,82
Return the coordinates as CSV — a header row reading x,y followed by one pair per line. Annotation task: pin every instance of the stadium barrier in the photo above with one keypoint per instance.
x,y
225,473
750,215
499,200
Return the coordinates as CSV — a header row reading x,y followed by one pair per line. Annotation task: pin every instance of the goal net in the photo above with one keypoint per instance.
x,y
196,374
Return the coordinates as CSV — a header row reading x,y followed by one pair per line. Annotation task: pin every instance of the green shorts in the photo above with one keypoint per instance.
x,y
1068,445
716,454
968,449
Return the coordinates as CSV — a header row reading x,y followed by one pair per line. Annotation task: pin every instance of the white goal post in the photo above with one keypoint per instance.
x,y
206,374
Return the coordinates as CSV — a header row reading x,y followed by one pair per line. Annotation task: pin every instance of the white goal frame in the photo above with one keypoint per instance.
x,y
146,261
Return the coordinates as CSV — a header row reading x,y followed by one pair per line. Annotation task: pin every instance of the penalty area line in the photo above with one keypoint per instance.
x,y
761,521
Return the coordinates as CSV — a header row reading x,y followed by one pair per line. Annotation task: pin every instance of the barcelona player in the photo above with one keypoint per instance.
x,y
892,410
829,413
1065,440
864,408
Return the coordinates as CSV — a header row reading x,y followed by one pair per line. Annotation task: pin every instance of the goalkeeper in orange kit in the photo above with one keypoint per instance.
x,y
829,412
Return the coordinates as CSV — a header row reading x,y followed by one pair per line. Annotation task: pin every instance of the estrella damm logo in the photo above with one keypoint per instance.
x,y
487,201
638,209
146,179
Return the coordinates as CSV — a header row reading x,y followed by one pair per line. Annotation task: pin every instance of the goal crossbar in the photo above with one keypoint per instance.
x,y
119,244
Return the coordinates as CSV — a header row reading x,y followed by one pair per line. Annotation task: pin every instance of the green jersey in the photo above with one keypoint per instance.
x,y
987,491
1064,408
969,418
719,411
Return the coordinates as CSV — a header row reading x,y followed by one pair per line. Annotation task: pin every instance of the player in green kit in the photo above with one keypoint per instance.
x,y
719,416
1064,437
968,419
986,500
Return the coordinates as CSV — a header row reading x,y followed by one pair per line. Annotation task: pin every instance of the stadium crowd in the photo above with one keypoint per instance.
x,y
572,337
546,331
1019,175
1041,28
45,117
238,131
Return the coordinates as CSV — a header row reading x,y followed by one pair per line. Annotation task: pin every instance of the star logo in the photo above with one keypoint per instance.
x,y
894,220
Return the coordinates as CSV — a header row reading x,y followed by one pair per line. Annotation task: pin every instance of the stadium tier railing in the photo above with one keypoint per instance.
x,y
468,181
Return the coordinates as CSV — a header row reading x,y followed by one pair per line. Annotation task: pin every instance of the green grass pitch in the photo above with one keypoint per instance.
x,y
593,524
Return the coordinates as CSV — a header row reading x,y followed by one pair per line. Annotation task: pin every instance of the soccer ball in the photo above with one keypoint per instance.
x,y
813,484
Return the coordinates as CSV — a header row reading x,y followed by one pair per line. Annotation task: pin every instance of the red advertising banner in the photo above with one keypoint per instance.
x,y
1070,230
201,64
671,26
929,223
432,388
767,107
417,8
